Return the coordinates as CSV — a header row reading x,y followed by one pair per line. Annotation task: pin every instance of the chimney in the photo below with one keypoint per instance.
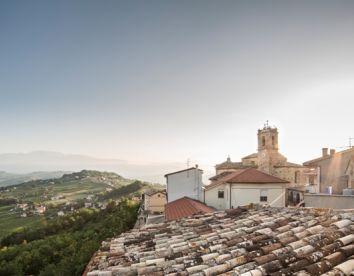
x,y
196,166
324,152
332,152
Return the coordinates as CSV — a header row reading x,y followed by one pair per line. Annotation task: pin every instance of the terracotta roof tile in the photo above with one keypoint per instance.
x,y
185,207
250,175
235,243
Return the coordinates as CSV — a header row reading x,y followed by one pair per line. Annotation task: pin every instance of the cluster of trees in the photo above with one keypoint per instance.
x,y
65,246
130,189
7,201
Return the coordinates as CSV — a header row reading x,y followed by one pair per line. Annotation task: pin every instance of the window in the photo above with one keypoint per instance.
x,y
264,196
297,176
273,140
220,194
263,141
158,195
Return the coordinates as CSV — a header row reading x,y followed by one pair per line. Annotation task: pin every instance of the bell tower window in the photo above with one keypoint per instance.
x,y
273,140
263,141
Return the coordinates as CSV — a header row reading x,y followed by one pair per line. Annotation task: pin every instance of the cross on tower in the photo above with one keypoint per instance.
x,y
266,125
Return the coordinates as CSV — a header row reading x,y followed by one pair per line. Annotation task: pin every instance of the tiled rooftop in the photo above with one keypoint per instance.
x,y
267,241
185,207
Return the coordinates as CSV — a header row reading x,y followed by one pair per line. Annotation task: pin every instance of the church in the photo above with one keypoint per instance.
x,y
269,160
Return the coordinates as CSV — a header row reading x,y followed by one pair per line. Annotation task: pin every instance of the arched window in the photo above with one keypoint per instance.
x,y
263,141
273,140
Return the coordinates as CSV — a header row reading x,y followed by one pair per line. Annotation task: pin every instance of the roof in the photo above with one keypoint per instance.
x,y
189,169
316,160
185,207
290,164
250,175
150,193
265,241
227,165
253,155
220,175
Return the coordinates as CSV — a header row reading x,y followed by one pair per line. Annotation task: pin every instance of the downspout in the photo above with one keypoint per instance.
x,y
230,194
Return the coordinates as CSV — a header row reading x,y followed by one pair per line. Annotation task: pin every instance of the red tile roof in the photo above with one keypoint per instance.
x,y
185,207
250,175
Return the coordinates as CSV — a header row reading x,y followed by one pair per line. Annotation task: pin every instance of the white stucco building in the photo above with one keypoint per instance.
x,y
185,183
245,186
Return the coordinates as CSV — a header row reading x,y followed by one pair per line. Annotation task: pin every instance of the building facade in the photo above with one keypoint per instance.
x,y
185,183
246,186
335,170
154,202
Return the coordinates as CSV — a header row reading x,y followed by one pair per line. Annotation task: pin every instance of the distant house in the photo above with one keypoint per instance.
x,y
40,210
185,207
335,173
23,206
245,186
154,202
183,183
88,204
61,213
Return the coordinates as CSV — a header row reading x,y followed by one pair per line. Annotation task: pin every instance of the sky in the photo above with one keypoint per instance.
x,y
167,81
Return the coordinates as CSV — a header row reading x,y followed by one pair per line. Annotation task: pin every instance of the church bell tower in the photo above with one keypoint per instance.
x,y
268,154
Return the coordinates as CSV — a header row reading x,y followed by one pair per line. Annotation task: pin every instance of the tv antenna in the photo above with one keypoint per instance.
x,y
350,143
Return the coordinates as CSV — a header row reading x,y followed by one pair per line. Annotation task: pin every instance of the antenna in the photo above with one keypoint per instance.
x,y
350,144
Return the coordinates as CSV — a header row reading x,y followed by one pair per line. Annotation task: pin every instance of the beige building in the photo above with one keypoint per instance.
x,y
269,160
245,186
154,202
335,170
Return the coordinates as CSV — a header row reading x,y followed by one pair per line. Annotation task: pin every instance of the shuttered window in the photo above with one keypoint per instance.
x,y
264,196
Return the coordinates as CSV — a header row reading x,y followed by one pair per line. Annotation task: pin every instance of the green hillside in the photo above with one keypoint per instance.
x,y
65,194
65,245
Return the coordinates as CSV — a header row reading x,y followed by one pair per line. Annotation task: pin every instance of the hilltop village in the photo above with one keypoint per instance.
x,y
262,215
265,177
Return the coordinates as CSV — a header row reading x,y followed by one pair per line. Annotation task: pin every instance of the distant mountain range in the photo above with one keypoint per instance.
x,y
48,164
7,179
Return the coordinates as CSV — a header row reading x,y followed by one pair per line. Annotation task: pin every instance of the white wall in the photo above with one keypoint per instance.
x,y
211,197
243,194
185,183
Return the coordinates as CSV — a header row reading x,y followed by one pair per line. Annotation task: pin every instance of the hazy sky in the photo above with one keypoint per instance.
x,y
171,80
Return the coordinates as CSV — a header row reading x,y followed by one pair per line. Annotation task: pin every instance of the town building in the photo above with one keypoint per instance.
x,y
154,202
183,183
268,159
245,186
335,169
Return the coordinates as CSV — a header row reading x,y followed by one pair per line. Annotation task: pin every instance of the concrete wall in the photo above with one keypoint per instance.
x,y
329,201
243,194
185,183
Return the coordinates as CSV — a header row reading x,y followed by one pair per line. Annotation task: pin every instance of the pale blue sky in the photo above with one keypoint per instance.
x,y
171,80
